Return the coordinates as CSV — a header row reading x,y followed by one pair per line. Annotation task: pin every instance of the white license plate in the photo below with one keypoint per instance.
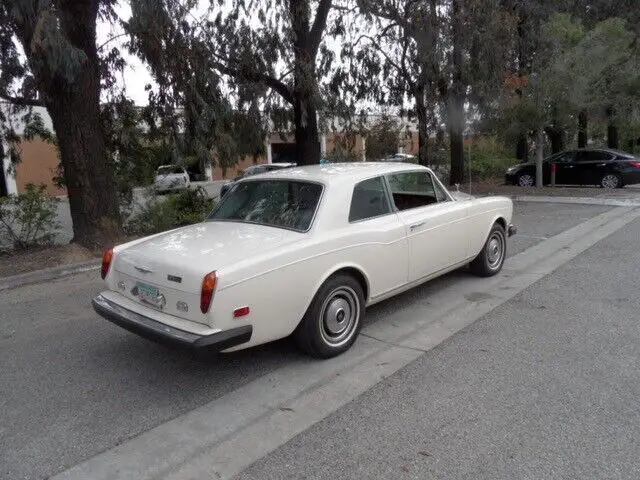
x,y
150,295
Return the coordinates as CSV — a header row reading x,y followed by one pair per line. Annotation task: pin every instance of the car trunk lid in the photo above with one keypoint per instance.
x,y
180,258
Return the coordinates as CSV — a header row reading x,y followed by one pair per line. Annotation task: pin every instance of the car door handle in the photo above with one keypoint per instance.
x,y
416,225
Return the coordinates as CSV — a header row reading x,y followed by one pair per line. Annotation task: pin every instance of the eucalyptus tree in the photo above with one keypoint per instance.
x,y
62,69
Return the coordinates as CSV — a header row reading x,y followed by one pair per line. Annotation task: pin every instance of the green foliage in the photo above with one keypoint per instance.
x,y
28,219
575,69
488,162
383,138
341,154
172,211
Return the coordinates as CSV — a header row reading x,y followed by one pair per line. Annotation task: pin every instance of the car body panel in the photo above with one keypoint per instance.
x,y
276,272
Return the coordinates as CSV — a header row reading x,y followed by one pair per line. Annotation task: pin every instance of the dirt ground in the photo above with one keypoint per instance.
x,y
44,257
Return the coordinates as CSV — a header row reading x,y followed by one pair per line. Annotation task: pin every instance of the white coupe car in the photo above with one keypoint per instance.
x,y
301,251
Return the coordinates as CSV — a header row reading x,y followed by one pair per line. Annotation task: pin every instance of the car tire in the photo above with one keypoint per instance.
x,y
334,319
525,180
611,180
490,260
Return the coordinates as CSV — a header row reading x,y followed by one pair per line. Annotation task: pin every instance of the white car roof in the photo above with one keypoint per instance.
x,y
340,172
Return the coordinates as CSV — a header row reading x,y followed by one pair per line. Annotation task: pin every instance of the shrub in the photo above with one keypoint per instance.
x,y
171,211
488,162
29,219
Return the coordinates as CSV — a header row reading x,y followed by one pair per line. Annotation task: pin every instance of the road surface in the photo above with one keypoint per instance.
x,y
74,387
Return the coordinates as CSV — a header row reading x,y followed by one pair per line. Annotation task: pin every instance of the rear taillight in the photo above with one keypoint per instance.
x,y
208,288
106,262
635,164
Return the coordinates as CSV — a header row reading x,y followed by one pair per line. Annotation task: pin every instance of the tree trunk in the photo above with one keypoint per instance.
x,y
583,123
612,129
74,108
556,136
305,44
456,116
423,128
306,131
522,148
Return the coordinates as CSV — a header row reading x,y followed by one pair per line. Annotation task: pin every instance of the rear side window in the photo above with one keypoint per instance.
x,y
369,200
594,156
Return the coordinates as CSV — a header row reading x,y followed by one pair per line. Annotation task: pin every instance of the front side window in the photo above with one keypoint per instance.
x,y
369,200
275,203
412,189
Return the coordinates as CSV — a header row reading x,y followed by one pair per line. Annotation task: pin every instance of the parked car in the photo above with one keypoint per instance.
x,y
300,251
400,157
171,177
589,166
254,170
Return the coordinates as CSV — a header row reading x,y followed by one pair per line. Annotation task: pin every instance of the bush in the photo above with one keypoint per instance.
x,y
29,219
172,211
488,162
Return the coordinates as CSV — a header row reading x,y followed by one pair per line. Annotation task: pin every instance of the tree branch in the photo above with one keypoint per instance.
x,y
273,83
319,25
22,101
115,37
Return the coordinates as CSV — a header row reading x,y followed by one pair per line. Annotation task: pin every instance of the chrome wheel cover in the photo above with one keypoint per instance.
x,y
495,250
339,316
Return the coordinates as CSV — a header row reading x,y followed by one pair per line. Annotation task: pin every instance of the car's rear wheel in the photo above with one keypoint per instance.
x,y
491,258
611,180
526,180
334,318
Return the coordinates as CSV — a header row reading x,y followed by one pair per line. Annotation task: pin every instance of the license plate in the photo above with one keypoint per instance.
x,y
150,295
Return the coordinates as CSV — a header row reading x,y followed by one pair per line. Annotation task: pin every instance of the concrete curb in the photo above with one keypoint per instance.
x,y
623,202
47,274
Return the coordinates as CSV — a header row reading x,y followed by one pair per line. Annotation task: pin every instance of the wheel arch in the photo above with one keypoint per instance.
x,y
354,270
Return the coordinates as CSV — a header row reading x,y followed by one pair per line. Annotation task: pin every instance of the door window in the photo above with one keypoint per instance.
x,y
414,190
369,200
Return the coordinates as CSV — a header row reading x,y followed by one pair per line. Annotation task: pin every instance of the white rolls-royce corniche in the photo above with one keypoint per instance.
x,y
301,251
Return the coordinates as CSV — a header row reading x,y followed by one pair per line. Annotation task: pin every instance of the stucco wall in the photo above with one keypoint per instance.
x,y
38,166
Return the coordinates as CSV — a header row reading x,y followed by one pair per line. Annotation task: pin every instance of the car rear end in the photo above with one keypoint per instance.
x,y
629,169
171,178
167,301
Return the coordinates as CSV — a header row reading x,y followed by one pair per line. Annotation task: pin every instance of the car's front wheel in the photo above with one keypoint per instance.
x,y
334,318
526,180
491,258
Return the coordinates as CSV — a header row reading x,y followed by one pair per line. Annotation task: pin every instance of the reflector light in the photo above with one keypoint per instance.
x,y
241,312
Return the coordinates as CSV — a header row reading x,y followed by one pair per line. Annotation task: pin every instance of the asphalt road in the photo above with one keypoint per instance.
x,y
545,386
73,385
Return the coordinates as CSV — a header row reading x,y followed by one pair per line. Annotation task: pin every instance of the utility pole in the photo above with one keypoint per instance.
x,y
539,132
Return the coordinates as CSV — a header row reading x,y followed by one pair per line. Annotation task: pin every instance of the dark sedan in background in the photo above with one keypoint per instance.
x,y
589,166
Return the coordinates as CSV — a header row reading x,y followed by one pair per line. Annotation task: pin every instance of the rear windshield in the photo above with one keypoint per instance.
x,y
275,203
